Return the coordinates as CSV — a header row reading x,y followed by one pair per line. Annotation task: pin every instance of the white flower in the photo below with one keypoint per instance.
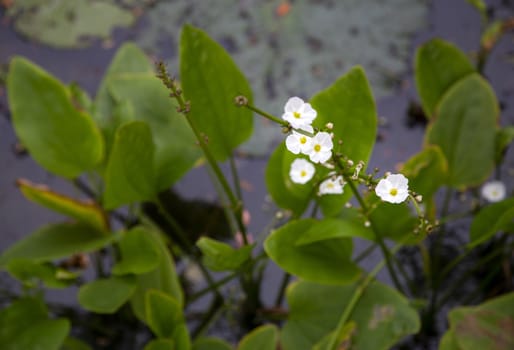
x,y
301,171
320,147
298,113
494,191
298,142
331,186
393,189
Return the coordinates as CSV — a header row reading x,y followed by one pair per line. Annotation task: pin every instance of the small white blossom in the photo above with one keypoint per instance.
x,y
320,147
298,113
494,191
301,171
393,189
298,142
331,186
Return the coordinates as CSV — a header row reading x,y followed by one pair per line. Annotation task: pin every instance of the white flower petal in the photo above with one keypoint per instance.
x,y
494,191
393,189
331,186
301,171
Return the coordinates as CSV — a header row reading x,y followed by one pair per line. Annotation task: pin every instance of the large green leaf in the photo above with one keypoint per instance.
x,y
160,344
164,278
86,211
129,59
139,253
487,326
57,241
426,171
262,338
211,80
491,220
285,193
106,295
30,273
324,261
335,228
219,256
25,325
176,150
130,175
438,66
382,315
61,138
465,130
350,106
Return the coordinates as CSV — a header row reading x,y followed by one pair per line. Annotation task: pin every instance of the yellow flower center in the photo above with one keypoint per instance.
x,y
317,148
393,192
330,185
303,173
297,115
303,139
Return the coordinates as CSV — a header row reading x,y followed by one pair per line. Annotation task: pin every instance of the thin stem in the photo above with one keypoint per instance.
x,y
267,115
366,252
211,287
235,177
379,238
210,316
332,345
282,289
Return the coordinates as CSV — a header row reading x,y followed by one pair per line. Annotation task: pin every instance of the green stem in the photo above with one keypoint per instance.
x,y
267,115
282,289
235,177
211,287
379,238
366,252
332,345
210,316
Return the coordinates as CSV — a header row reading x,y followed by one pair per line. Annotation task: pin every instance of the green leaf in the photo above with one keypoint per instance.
x,y
219,256
335,228
426,171
160,344
211,343
72,343
285,193
211,81
62,139
491,220
87,212
139,253
25,325
350,106
382,315
130,175
486,326
129,59
465,130
261,338
164,278
107,295
176,150
438,65
504,138
57,241
163,313
30,273
327,261
480,6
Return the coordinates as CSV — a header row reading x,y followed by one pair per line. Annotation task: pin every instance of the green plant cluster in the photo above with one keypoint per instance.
x,y
144,130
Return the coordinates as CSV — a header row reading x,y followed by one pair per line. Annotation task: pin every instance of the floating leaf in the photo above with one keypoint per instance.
x,y
491,220
350,106
487,326
285,193
219,256
69,24
326,261
139,253
438,65
211,81
261,338
57,241
176,150
107,295
465,130
130,175
59,137
87,212
382,315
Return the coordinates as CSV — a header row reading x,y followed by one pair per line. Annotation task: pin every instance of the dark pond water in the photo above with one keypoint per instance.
x,y
399,135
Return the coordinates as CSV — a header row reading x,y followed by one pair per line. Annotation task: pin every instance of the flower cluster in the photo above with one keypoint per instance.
x,y
303,140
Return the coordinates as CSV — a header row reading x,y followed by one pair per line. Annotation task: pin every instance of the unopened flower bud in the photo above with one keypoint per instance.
x,y
329,126
241,101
